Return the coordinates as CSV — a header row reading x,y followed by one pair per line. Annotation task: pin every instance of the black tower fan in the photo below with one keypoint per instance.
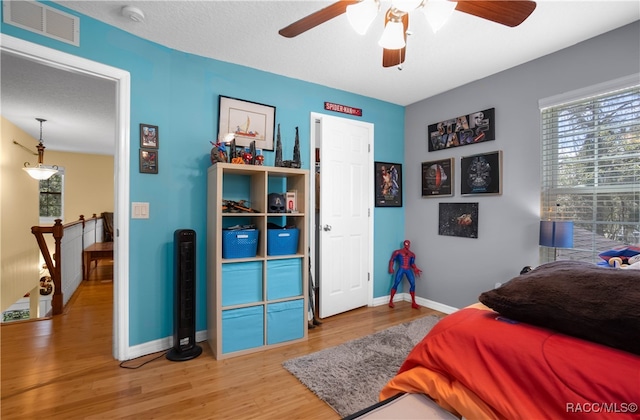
x,y
184,328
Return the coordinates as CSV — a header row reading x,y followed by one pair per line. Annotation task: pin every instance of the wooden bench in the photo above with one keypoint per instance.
x,y
95,252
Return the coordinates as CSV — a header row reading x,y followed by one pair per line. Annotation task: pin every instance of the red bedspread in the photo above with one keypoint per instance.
x,y
480,366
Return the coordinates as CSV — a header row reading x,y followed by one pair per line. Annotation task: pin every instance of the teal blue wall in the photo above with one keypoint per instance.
x,y
179,93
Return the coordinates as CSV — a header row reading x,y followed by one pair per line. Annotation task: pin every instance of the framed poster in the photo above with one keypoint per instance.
x,y
149,136
458,219
388,184
437,178
481,174
148,161
473,128
248,121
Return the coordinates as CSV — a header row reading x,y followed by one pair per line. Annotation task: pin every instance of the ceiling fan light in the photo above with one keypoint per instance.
x,y
438,12
361,15
393,36
406,5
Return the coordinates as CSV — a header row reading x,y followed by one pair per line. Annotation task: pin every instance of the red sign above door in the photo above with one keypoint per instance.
x,y
330,106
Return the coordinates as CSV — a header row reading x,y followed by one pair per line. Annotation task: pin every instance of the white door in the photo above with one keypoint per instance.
x,y
345,224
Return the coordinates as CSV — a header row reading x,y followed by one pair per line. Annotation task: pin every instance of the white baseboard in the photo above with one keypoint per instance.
x,y
159,345
166,343
406,297
436,306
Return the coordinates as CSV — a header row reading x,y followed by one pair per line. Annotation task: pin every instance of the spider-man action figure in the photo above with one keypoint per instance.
x,y
406,266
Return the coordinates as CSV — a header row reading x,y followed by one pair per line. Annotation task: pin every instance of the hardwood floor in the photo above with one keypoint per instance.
x,y
62,368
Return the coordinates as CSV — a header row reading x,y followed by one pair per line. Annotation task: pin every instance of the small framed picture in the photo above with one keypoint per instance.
x,y
148,161
481,174
458,219
248,121
388,184
149,136
437,178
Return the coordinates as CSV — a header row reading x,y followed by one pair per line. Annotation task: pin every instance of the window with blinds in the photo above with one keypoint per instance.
x,y
591,170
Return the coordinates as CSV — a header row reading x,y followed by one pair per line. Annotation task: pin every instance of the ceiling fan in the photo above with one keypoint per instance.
x,y
362,12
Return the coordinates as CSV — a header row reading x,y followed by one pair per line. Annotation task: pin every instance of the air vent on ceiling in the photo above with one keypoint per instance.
x,y
42,19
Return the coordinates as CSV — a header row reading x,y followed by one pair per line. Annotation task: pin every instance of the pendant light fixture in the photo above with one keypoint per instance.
x,y
40,172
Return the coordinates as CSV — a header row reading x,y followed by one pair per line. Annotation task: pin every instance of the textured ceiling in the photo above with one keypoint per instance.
x,y
80,110
467,48
246,33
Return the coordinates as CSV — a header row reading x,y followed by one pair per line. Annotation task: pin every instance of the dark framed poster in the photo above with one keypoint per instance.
x,y
149,136
476,127
148,161
458,219
437,178
481,174
388,184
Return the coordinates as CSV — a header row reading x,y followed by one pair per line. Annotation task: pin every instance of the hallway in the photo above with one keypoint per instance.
x,y
41,355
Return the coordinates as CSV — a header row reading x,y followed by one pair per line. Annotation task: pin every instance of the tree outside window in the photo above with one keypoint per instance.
x,y
591,171
52,198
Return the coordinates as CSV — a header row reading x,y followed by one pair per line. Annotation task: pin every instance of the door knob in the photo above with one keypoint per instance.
x,y
327,228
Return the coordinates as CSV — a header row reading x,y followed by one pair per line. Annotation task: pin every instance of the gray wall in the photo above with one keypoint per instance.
x,y
457,270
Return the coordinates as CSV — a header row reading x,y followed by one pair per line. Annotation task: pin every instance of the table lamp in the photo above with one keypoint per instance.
x,y
556,234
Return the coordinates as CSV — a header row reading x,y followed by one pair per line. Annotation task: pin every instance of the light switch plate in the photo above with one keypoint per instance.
x,y
139,210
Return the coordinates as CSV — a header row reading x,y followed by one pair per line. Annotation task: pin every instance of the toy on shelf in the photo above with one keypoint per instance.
x,y
218,152
406,266
229,206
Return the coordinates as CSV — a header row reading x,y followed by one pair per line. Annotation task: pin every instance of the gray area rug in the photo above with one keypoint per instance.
x,y
349,377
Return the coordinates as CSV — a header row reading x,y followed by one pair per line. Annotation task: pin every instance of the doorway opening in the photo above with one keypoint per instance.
x,y
67,62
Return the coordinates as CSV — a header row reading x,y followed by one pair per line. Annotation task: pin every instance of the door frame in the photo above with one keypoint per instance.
x,y
313,227
68,62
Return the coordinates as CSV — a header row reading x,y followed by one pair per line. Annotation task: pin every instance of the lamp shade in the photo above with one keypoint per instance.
x,y
362,14
393,36
556,234
438,12
40,172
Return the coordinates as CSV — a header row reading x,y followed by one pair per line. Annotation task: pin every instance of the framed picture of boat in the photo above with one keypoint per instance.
x,y
248,121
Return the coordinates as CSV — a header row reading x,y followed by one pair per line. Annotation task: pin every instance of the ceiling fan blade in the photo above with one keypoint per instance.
x,y
316,18
509,13
391,58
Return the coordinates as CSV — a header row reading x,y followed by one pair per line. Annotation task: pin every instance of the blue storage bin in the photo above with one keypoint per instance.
x,y
240,243
242,328
282,241
284,278
285,321
241,283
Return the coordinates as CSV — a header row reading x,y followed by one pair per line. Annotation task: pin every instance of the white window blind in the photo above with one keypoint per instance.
x,y
591,170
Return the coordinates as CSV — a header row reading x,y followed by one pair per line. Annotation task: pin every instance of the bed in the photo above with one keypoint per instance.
x,y
561,341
